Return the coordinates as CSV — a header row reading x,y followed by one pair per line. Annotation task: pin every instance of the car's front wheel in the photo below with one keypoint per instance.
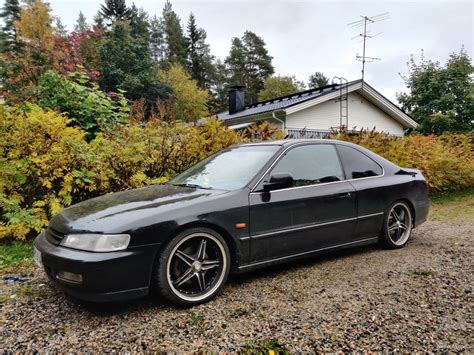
x,y
397,225
193,267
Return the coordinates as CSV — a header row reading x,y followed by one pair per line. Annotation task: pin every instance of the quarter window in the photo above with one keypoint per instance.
x,y
311,164
356,164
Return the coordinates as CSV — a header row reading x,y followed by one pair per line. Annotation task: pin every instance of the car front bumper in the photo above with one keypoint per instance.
x,y
113,276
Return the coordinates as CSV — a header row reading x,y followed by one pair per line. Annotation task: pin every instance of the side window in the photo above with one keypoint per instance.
x,y
311,164
356,164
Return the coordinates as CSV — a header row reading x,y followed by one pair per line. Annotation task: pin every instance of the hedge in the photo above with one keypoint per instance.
x,y
47,164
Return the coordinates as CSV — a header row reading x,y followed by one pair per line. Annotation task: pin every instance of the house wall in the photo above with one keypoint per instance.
x,y
362,114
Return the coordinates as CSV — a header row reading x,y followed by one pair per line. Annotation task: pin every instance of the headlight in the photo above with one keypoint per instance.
x,y
96,242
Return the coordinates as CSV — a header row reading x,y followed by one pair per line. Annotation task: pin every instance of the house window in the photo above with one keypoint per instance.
x,y
311,164
356,164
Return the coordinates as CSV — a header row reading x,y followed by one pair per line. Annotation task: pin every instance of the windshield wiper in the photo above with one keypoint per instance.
x,y
195,186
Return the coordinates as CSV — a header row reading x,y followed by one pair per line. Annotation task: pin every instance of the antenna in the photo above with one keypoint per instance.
x,y
366,20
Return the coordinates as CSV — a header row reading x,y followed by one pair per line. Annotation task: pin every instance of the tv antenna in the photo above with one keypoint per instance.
x,y
364,21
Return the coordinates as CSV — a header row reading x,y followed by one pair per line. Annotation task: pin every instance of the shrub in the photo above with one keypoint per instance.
x,y
446,161
46,164
42,161
82,101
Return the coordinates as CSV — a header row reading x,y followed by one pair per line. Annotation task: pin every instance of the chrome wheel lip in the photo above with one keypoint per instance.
x,y
220,279
406,226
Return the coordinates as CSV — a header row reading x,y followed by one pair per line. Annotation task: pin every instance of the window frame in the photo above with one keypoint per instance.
x,y
335,145
361,152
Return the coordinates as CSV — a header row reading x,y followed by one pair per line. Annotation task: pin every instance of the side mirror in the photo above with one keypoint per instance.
x,y
278,181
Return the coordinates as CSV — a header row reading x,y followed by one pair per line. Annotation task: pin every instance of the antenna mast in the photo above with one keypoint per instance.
x,y
366,20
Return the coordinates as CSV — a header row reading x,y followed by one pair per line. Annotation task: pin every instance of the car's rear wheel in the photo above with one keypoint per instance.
x,y
193,267
397,225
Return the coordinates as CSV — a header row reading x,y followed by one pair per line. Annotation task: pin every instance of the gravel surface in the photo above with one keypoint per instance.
x,y
369,299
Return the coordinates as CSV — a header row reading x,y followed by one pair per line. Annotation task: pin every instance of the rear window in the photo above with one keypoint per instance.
x,y
357,165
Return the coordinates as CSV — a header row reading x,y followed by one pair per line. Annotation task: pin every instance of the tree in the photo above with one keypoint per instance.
x,y
317,80
20,71
157,40
59,27
126,64
114,10
10,13
175,40
258,64
235,62
139,24
276,86
189,101
441,97
249,64
200,59
81,25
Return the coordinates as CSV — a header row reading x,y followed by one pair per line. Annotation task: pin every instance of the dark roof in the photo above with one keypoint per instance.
x,y
283,102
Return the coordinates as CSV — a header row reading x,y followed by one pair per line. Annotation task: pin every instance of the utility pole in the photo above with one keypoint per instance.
x,y
366,20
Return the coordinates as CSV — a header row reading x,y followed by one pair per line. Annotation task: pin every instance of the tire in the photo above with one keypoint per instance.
x,y
397,226
192,268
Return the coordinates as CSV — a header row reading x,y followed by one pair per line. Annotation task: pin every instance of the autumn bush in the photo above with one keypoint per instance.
x,y
47,164
446,161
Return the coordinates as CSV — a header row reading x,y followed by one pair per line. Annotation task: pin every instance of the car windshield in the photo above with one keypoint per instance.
x,y
231,169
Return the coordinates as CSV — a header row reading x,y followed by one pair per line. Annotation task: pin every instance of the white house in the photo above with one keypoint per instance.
x,y
315,113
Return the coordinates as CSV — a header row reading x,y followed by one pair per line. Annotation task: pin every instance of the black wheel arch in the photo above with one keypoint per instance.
x,y
231,244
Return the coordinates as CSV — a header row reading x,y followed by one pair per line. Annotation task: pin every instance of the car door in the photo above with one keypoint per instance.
x,y
317,212
366,176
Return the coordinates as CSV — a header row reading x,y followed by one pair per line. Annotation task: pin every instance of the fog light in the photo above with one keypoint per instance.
x,y
69,276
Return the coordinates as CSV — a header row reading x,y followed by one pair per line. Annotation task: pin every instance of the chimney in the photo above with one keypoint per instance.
x,y
236,99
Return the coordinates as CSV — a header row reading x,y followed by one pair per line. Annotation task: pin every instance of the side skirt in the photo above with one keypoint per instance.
x,y
265,263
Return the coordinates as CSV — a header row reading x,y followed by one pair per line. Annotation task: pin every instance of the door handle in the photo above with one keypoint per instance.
x,y
343,194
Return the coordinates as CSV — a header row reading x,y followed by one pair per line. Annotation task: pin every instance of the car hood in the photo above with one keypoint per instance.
x,y
113,212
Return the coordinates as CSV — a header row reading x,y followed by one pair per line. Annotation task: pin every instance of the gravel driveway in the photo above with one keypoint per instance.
x,y
416,298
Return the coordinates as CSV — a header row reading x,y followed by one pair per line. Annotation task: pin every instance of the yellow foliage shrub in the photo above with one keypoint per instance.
x,y
41,159
47,165
446,161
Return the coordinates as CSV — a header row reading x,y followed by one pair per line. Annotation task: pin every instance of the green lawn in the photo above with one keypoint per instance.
x,y
455,207
15,254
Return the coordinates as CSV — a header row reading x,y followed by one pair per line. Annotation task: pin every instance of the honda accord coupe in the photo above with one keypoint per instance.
x,y
246,207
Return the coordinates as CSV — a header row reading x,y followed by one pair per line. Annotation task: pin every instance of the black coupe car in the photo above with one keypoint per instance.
x,y
245,207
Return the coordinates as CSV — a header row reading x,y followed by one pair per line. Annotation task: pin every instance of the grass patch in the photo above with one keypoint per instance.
x,y
264,346
4,298
195,318
30,292
16,254
454,207
452,196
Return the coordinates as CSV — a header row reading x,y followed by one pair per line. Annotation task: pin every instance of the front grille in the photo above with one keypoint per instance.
x,y
54,236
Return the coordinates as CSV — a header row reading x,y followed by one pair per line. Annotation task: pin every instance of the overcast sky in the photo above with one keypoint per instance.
x,y
308,36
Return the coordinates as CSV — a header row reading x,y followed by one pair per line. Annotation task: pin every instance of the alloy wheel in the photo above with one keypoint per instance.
x,y
196,267
399,224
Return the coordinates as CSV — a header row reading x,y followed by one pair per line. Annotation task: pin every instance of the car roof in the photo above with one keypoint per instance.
x,y
289,142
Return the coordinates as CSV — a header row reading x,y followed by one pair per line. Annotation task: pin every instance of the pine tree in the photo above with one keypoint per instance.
x,y
200,60
139,24
157,40
114,10
258,64
126,64
317,80
175,40
249,64
81,25
10,13
61,30
235,63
